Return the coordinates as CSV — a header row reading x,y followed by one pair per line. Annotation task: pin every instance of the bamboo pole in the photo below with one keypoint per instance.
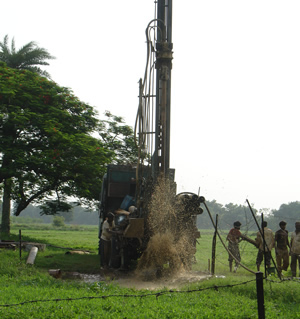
x,y
20,243
213,254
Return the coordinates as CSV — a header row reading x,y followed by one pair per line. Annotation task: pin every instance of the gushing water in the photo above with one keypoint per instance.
x,y
169,250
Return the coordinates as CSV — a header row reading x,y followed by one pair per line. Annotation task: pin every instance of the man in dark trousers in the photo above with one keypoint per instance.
x,y
281,247
105,240
295,249
264,245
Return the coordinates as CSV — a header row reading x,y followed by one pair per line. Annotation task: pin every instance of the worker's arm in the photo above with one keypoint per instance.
x,y
291,244
273,240
249,240
275,245
258,240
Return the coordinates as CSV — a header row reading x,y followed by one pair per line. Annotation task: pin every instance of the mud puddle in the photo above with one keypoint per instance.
x,y
174,282
127,280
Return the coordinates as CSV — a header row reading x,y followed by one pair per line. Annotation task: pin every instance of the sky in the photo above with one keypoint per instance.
x,y
235,83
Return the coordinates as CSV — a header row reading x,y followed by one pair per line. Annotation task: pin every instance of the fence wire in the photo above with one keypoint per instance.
x,y
145,295
156,294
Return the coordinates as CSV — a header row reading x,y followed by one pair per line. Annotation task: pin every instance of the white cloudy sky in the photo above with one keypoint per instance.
x,y
235,83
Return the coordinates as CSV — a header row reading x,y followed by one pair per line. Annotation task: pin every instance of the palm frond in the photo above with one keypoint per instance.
x,y
13,47
28,57
5,51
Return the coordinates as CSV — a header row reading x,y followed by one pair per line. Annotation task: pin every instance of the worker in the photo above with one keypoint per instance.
x,y
281,248
295,249
133,211
105,240
265,245
233,238
124,216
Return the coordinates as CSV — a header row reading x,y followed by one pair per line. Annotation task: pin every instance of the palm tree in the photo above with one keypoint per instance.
x,y
27,57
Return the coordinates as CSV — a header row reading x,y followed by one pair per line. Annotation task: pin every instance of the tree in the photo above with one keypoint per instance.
x,y
46,147
237,212
227,215
288,212
58,221
68,216
28,57
118,138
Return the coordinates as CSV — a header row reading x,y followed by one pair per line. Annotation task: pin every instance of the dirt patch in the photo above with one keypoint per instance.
x,y
91,278
175,282
135,281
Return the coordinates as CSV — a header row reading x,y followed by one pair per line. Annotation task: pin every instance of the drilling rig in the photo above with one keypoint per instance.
x,y
128,190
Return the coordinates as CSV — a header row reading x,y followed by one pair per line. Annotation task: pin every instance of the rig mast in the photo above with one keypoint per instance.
x,y
163,67
154,112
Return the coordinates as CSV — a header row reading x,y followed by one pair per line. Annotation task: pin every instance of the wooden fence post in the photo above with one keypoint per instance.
x,y
213,254
260,295
20,244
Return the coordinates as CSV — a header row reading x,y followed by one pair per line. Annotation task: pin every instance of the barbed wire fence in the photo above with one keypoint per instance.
x,y
143,295
156,294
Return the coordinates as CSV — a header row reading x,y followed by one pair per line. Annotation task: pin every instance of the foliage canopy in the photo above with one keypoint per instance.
x,y
118,138
46,145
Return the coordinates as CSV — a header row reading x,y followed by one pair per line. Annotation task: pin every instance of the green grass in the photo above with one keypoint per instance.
x,y
86,239
21,283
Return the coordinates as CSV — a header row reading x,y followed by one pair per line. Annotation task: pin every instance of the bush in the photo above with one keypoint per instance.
x,y
25,220
58,221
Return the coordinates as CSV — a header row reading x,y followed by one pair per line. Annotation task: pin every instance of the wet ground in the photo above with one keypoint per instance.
x,y
173,282
133,280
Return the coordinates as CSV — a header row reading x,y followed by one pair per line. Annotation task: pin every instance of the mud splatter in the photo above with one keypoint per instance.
x,y
176,281
169,249
160,259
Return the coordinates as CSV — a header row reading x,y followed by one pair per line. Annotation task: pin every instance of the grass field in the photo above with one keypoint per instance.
x,y
227,295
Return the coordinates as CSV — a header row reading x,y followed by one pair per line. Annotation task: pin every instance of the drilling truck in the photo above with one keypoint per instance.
x,y
128,190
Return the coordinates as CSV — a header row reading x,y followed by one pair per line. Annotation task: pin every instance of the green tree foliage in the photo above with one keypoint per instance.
x,y
46,146
28,57
57,207
52,207
67,215
227,215
118,138
58,221
237,212
32,212
78,215
288,212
